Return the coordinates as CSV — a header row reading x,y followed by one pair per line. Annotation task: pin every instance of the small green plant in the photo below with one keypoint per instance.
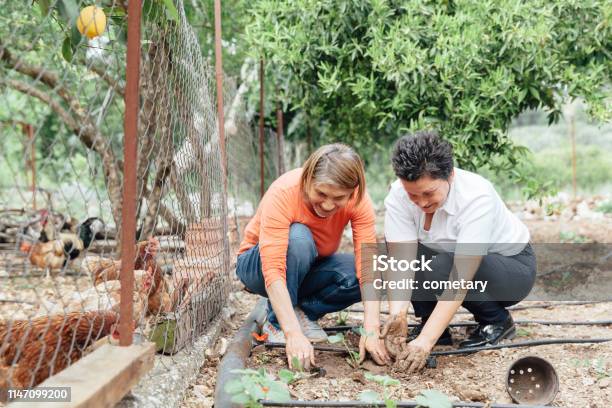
x,y
433,399
600,369
605,207
523,332
342,317
598,365
370,397
288,376
572,237
353,358
295,363
254,386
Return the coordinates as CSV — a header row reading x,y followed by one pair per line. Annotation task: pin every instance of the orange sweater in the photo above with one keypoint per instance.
x,y
282,205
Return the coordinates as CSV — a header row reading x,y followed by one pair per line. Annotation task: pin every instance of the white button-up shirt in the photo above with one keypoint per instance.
x,y
473,219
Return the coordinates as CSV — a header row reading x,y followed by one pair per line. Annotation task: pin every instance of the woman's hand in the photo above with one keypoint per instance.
x,y
373,344
298,348
414,355
395,333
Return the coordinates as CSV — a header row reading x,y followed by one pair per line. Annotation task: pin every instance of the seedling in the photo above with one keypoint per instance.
x,y
369,396
342,317
597,365
295,362
353,356
605,207
520,332
433,399
572,237
255,385
600,369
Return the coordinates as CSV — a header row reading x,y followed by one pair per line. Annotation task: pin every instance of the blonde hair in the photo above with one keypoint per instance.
x,y
335,164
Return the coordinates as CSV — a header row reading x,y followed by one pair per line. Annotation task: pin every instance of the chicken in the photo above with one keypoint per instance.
x,y
106,270
33,350
55,254
102,269
106,296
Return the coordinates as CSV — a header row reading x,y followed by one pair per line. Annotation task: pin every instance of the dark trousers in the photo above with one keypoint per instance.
x,y
317,285
512,276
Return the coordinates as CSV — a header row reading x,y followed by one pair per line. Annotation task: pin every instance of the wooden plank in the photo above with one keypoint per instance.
x,y
102,378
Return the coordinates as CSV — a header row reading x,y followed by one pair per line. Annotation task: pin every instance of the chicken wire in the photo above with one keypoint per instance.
x,y
61,121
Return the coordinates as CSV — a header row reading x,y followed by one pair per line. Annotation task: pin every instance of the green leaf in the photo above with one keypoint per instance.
x,y
241,399
171,10
287,376
433,399
67,49
369,396
295,362
336,338
277,392
68,9
389,403
234,386
44,6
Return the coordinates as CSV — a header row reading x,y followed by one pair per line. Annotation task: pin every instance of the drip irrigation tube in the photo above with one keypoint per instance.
x,y
471,324
237,353
517,307
529,343
402,404
471,350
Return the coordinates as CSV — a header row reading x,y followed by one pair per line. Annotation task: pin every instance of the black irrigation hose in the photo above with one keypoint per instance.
x,y
530,343
471,324
402,404
517,307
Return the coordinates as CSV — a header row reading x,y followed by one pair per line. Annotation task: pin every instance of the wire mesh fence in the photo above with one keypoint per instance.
x,y
61,181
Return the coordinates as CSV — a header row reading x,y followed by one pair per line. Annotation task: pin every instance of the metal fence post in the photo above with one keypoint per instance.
x,y
130,157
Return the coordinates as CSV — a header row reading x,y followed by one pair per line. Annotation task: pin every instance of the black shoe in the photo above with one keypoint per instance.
x,y
446,339
490,334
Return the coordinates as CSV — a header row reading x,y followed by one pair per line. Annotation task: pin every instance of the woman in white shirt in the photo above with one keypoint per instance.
x,y
457,219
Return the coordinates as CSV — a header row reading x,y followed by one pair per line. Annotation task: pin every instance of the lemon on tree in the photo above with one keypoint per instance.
x,y
91,21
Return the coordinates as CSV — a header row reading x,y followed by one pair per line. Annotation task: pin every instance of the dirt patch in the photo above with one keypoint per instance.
x,y
584,370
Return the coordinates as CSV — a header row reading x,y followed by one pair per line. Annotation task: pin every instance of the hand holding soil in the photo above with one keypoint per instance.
x,y
376,347
413,356
300,351
395,333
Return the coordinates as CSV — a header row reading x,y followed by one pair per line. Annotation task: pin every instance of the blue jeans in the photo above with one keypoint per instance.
x,y
317,285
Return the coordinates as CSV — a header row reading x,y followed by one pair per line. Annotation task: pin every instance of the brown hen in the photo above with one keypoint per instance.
x,y
33,350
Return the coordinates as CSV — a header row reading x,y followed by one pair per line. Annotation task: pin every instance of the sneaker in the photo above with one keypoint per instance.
x,y
274,335
490,334
311,329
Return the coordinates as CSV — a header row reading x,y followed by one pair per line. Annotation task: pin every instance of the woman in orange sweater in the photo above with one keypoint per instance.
x,y
289,252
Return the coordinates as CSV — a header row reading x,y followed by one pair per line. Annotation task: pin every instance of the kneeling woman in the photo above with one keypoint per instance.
x,y
456,217
288,252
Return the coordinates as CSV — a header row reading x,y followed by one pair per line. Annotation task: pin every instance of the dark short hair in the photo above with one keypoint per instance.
x,y
422,154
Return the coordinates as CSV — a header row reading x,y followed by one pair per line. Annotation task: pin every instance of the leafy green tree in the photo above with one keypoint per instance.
x,y
368,70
